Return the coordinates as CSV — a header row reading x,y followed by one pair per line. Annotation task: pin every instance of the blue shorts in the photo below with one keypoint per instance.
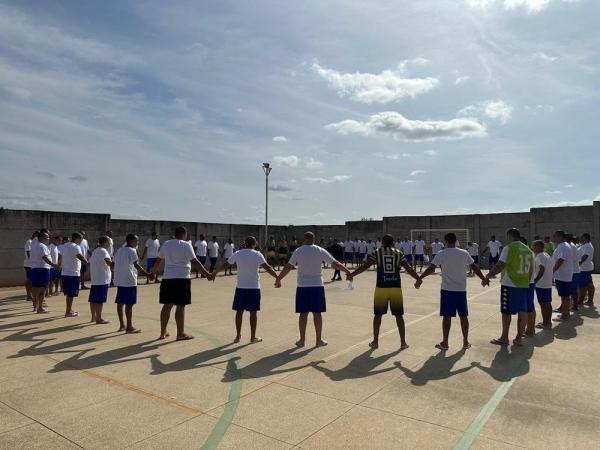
x,y
348,256
409,257
544,295
530,297
475,259
98,293
513,300
83,269
126,295
150,263
452,302
27,273
361,256
202,259
213,261
55,274
564,288
40,278
310,299
70,285
584,279
494,259
419,257
246,300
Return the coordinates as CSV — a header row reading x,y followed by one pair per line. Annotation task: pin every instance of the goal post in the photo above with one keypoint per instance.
x,y
463,235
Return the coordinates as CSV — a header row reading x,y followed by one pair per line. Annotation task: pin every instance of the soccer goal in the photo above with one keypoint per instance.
x,y
463,235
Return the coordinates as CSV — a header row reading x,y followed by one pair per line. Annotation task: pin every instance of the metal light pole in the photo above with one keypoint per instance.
x,y
267,170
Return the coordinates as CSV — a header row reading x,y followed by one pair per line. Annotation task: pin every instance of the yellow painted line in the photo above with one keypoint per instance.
x,y
134,388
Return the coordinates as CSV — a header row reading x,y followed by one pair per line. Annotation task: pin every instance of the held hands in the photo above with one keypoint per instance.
x,y
485,282
151,276
211,276
418,283
277,283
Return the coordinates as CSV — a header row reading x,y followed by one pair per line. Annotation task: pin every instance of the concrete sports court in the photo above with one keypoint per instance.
x,y
65,383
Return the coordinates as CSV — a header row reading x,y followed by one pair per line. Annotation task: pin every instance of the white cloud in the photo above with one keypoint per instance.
x,y
334,179
418,172
312,163
430,153
544,57
531,6
408,181
385,87
462,79
400,127
553,192
288,161
569,186
494,109
394,156
279,139
281,187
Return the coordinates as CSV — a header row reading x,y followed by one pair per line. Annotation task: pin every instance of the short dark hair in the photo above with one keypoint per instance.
x,y
102,240
538,244
514,233
561,233
75,236
387,240
180,232
250,241
130,237
154,233
586,236
450,237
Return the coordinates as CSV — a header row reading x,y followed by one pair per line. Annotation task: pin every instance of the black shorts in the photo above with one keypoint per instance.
x,y
176,291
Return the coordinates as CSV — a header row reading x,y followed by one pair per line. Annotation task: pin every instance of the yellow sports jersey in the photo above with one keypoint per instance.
x,y
388,261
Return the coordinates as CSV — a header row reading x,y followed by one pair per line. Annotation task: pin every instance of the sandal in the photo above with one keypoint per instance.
x,y
498,342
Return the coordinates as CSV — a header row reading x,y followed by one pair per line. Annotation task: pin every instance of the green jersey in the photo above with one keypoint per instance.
x,y
519,260
549,248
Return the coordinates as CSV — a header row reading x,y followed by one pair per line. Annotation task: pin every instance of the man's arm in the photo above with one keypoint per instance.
x,y
142,270
475,268
584,258
540,274
559,262
342,268
144,252
109,262
47,260
202,270
360,269
269,269
411,272
498,267
430,269
286,269
221,268
81,258
59,260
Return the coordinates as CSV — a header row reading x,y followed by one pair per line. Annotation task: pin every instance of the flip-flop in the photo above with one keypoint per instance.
x,y
498,342
166,335
102,322
299,344
321,344
255,340
72,314
517,343
373,345
404,347
236,340
134,331
185,337
541,326
467,346
441,347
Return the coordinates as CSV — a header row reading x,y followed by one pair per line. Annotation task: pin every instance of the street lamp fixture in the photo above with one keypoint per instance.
x,y
267,170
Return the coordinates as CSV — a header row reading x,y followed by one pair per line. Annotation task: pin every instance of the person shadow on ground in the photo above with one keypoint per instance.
x,y
266,366
437,367
362,366
197,360
567,329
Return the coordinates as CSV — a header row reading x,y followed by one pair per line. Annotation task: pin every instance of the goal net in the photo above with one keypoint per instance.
x,y
463,235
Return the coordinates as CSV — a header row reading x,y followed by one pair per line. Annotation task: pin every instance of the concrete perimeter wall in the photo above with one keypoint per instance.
x,y
16,227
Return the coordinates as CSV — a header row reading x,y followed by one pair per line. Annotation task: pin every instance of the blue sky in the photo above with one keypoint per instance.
x,y
166,110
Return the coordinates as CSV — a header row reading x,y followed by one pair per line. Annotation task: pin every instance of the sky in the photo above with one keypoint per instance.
x,y
167,110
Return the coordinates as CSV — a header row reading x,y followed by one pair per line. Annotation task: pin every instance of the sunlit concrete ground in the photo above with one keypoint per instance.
x,y
65,383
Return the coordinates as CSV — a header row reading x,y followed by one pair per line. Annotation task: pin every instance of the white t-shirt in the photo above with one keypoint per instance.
x,y
454,263
111,246
100,271
436,247
153,245
494,247
574,257
419,247
201,246
228,250
125,272
371,246
85,247
505,281
474,249
378,244
213,249
406,247
71,265
37,252
248,262
309,258
178,255
588,264
27,248
565,271
362,247
53,253
348,247
544,260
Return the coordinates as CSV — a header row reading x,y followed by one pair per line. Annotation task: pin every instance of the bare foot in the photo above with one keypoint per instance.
x,y
102,322
72,314
164,336
42,311
374,344
404,346
300,343
441,346
321,343
133,331
184,337
237,339
466,345
121,328
254,340
518,342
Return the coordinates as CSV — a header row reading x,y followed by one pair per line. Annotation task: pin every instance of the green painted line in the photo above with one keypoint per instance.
x,y
235,391
486,412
